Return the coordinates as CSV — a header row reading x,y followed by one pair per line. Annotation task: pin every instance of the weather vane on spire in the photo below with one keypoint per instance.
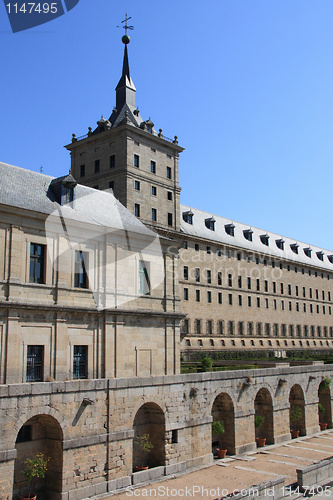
x,y
126,39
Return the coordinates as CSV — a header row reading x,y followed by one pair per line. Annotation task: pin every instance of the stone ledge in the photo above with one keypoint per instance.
x,y
7,455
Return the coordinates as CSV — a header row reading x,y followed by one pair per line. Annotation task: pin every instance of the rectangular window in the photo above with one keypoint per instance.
x,y
112,161
239,282
80,266
185,272
197,326
137,185
37,263
304,293
111,185
274,287
169,219
154,214
220,327
144,282
185,327
80,361
267,329
289,289
219,278
82,170
282,305
97,163
169,195
153,190
197,274
249,301
185,293
259,329
240,328
250,328
266,303
196,247
240,300
310,291
249,283
230,299
209,297
169,173
137,161
266,286
258,285
282,289
137,210
35,363
258,301
197,295
220,298
231,327
229,279
209,276
153,167
296,290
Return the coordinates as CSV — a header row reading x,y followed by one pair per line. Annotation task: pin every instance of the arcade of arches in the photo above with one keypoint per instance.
x,y
91,430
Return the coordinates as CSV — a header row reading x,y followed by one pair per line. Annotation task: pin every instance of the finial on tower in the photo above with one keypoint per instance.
x,y
126,39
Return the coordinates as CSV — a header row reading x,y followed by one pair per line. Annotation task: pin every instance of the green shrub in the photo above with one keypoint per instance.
x,y
206,363
258,420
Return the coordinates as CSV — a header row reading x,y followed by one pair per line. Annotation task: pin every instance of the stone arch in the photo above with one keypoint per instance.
x,y
296,400
324,397
52,412
263,407
40,433
223,409
149,419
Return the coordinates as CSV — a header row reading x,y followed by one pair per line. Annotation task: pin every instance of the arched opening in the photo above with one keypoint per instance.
x,y
40,434
324,406
263,415
297,411
149,421
223,410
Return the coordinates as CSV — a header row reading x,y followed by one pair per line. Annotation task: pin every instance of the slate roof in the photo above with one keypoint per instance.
x,y
30,190
220,236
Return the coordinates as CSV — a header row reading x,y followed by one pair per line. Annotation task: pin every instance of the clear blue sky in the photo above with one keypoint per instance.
x,y
246,85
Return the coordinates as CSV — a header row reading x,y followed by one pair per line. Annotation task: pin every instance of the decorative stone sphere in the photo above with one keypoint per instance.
x,y
126,39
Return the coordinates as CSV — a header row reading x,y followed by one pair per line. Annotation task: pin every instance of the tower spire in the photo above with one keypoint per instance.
x,y
125,90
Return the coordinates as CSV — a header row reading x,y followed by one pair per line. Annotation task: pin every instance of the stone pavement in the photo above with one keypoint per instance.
x,y
239,472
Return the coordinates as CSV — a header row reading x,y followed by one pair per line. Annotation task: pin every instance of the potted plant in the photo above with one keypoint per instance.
x,y
146,446
218,430
258,421
34,467
295,415
321,410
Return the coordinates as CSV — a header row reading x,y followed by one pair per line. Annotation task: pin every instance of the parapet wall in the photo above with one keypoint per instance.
x,y
92,424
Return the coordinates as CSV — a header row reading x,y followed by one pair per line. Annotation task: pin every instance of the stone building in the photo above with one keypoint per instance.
x,y
241,287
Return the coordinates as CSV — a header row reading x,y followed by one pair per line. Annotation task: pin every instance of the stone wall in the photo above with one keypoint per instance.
x,y
95,423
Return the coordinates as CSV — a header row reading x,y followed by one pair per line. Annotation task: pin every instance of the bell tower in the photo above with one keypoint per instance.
x,y
126,154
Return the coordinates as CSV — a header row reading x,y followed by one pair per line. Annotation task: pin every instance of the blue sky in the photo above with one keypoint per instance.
x,y
247,86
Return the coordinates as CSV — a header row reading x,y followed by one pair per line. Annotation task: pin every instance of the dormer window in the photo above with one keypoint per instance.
x,y
307,251
63,189
210,223
188,217
264,238
280,243
294,247
320,255
330,258
248,234
230,229
67,195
